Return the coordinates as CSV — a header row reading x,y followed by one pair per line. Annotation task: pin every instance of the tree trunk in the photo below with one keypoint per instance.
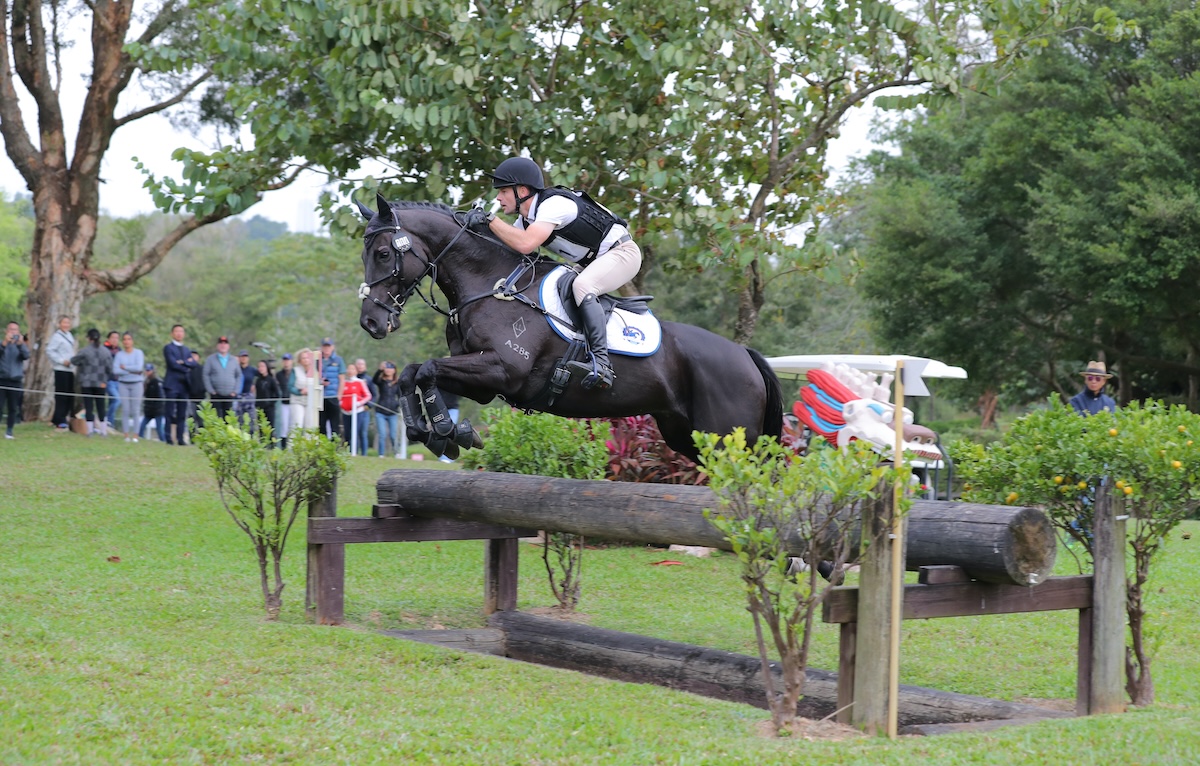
x,y
66,182
1139,684
987,408
56,289
750,302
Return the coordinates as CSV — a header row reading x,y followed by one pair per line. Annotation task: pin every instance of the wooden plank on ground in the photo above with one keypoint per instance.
x,y
480,640
714,673
405,529
971,598
930,729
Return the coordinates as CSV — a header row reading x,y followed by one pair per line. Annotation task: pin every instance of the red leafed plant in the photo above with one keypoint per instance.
x,y
637,453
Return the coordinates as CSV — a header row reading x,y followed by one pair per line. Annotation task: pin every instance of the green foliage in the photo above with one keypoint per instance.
x,y
773,502
1025,232
541,444
730,147
547,445
1146,456
263,488
16,239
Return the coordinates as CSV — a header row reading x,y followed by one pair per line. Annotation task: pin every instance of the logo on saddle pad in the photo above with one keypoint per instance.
x,y
629,334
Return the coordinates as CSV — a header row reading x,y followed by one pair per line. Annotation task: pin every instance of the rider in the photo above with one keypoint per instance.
x,y
573,226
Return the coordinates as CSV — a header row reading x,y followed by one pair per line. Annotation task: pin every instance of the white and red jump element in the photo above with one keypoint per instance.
x,y
842,404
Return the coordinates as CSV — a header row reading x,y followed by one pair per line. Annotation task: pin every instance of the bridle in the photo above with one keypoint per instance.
x,y
400,245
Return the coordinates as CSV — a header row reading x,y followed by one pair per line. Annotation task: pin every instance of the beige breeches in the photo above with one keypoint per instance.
x,y
609,271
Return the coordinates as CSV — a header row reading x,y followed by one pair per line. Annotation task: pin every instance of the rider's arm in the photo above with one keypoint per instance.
x,y
522,240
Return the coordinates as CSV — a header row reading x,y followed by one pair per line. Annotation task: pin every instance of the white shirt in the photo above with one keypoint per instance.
x,y
560,211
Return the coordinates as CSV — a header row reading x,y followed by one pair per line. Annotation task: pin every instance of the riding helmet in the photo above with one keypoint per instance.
x,y
518,171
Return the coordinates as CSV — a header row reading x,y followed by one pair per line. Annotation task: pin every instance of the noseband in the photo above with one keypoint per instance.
x,y
401,245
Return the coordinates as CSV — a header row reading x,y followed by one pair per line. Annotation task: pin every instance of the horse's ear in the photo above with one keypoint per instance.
x,y
385,210
364,211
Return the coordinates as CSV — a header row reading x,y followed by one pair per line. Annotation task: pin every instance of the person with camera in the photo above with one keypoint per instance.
x,y
13,353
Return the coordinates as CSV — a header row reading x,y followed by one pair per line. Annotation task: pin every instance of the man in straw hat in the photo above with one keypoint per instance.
x,y
1092,398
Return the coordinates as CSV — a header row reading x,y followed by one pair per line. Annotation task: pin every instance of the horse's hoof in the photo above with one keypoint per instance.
x,y
438,444
466,436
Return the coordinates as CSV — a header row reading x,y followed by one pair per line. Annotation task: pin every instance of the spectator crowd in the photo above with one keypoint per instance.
x,y
110,386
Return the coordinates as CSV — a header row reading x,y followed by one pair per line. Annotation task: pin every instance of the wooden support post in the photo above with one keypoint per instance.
x,y
869,712
325,582
500,575
847,656
1083,661
1107,693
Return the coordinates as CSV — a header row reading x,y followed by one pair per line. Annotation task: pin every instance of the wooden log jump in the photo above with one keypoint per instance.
x,y
991,543
1010,550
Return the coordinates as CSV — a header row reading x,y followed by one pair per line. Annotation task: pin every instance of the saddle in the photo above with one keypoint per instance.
x,y
633,330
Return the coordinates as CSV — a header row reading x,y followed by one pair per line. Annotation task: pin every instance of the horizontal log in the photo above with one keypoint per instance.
x,y
970,599
718,674
361,529
479,640
992,543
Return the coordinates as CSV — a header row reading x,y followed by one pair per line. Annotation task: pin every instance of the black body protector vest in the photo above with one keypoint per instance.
x,y
579,241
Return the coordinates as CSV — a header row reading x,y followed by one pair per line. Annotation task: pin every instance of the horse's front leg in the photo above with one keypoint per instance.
x,y
473,372
415,425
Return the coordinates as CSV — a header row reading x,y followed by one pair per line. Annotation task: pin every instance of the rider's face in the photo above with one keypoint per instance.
x,y
507,197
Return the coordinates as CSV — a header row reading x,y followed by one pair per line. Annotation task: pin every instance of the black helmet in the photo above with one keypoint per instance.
x,y
518,171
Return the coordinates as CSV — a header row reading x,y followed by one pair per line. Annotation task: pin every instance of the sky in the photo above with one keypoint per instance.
x,y
152,139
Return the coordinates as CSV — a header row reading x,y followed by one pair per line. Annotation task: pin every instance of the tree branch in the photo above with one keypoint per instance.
x,y
108,280
154,109
17,144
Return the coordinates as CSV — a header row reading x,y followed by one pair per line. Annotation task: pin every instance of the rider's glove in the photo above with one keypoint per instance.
x,y
476,216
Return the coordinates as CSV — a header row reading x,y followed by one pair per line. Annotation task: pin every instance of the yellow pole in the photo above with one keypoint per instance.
x,y
897,558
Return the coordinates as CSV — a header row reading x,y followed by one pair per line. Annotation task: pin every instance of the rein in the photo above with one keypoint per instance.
x,y
504,289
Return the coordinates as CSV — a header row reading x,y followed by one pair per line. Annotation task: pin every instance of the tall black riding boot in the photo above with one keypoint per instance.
x,y
594,330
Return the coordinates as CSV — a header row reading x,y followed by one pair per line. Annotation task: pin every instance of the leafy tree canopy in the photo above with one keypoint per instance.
x,y
1057,221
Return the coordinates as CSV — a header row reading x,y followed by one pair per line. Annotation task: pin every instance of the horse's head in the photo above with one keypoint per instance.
x,y
394,263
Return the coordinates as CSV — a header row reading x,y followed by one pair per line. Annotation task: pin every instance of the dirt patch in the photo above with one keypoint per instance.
x,y
811,729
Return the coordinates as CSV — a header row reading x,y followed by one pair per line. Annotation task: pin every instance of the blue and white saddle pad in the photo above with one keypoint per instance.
x,y
628,333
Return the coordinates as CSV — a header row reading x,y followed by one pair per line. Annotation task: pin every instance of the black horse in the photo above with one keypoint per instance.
x,y
501,343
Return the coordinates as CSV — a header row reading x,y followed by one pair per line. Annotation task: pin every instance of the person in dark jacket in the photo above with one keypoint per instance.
x,y
179,364
195,392
1092,399
152,407
13,354
387,410
93,366
266,394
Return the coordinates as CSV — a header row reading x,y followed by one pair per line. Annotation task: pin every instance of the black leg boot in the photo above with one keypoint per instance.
x,y
594,331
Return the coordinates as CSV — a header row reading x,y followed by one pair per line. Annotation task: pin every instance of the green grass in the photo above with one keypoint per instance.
x,y
163,656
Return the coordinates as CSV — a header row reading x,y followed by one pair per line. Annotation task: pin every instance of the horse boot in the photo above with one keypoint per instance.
x,y
415,425
595,332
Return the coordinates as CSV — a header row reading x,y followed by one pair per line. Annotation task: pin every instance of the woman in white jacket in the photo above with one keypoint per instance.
x,y
60,348
304,405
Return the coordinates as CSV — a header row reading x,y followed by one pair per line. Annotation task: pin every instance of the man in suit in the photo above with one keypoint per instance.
x,y
179,362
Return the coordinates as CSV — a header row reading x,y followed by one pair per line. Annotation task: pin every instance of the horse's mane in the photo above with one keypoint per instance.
x,y
374,225
407,205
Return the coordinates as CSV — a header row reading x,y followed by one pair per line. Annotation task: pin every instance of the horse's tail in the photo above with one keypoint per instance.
x,y
772,424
